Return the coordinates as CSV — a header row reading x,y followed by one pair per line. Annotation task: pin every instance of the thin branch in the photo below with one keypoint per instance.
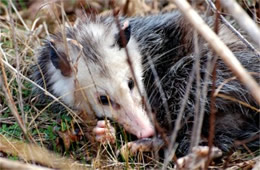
x,y
197,55
229,26
213,110
243,20
220,95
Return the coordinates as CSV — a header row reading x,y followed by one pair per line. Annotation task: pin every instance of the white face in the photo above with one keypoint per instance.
x,y
112,93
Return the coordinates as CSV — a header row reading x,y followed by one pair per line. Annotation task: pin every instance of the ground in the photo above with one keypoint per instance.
x,y
24,24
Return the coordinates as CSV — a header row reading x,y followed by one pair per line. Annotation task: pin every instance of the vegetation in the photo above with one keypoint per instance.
x,y
24,24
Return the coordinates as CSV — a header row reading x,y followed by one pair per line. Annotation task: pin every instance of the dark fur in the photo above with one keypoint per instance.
x,y
168,39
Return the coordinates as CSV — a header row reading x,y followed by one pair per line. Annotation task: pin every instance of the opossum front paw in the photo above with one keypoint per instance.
x,y
104,132
142,145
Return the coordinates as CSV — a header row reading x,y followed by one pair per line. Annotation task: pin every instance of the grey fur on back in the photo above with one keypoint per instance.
x,y
168,39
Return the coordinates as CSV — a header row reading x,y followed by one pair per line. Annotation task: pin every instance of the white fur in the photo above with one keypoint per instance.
x,y
63,86
94,83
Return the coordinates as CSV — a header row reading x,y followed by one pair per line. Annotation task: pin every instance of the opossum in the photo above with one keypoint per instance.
x,y
91,72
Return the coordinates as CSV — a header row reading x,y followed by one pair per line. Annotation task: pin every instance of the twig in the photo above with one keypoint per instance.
x,y
210,63
243,20
238,101
236,32
213,110
220,48
198,92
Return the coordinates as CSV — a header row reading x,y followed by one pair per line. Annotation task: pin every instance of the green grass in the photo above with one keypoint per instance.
x,y
13,131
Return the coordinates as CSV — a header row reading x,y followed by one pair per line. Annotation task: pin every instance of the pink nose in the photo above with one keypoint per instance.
x,y
145,133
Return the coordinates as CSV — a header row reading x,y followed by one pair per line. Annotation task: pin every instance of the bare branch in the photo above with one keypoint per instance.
x,y
243,20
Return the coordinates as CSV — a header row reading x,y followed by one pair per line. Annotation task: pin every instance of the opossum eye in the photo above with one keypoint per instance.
x,y
131,84
103,100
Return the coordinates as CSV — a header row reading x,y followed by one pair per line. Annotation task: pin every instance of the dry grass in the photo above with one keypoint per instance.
x,y
23,118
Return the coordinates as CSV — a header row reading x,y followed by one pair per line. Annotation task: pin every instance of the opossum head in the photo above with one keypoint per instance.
x,y
90,72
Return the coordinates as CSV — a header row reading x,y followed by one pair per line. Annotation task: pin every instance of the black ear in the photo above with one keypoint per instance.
x,y
123,39
59,60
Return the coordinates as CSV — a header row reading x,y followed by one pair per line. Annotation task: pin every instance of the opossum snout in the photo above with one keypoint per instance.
x,y
145,133
137,124
140,129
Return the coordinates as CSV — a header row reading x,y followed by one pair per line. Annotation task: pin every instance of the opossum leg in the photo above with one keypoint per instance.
x,y
142,145
104,132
